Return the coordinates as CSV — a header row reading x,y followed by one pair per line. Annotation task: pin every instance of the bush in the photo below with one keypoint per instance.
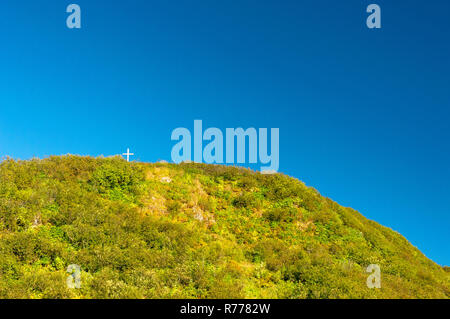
x,y
246,200
116,175
280,214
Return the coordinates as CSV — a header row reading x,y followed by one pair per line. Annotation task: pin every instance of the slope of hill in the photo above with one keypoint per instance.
x,y
191,231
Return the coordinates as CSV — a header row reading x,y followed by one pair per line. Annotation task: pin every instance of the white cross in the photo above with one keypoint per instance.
x,y
128,154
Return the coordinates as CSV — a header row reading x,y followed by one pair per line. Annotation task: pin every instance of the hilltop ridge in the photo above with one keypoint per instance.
x,y
140,230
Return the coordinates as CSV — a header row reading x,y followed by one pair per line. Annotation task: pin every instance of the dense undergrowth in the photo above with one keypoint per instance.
x,y
161,230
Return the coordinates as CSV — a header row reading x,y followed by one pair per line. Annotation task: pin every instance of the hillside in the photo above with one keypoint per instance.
x,y
161,230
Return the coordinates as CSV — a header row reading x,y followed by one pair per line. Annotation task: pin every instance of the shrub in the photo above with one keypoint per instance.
x,y
246,200
280,214
116,175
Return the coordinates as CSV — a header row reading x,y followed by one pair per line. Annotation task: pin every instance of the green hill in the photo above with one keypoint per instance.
x,y
142,230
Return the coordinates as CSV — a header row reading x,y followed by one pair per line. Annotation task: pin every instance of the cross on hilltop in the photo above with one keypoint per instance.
x,y
127,154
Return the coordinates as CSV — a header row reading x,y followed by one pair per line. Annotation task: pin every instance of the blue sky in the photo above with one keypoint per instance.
x,y
363,114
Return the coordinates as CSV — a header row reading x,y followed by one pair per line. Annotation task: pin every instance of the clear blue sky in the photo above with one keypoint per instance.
x,y
363,114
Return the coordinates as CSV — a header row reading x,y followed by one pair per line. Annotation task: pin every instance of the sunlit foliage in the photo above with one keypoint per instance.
x,y
191,231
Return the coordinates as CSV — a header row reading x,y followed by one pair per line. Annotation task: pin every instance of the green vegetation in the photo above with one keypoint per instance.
x,y
191,231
